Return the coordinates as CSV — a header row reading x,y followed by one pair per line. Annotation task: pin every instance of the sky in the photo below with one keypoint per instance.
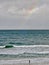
x,y
24,14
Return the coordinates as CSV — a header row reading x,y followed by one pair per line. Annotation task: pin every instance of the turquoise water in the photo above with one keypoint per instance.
x,y
24,43
24,37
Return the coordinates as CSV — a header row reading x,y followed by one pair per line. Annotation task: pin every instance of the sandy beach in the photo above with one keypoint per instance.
x,y
28,64
35,61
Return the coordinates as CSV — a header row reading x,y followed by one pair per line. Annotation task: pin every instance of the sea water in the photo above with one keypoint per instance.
x,y
24,44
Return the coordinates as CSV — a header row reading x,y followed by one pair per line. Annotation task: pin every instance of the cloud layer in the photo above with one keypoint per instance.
x,y
24,14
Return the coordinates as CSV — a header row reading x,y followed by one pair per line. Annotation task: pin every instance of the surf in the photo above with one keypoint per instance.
x,y
10,46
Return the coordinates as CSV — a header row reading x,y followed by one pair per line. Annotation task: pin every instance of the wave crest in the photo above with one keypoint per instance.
x,y
24,46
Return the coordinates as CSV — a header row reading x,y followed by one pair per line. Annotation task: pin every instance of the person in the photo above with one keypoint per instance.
x,y
29,62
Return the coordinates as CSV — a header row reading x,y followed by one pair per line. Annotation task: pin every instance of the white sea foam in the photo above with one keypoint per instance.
x,y
32,46
2,46
37,49
27,46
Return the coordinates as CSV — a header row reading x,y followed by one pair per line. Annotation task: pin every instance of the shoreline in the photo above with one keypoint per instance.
x,y
33,61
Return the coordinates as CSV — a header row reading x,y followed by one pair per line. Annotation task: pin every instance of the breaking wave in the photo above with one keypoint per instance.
x,y
15,51
25,55
9,46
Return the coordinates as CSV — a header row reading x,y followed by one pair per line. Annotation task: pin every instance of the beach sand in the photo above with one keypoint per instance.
x,y
34,61
28,64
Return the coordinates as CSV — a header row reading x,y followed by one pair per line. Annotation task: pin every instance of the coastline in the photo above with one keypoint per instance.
x,y
33,61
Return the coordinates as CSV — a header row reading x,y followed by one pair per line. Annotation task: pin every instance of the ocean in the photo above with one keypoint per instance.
x,y
24,44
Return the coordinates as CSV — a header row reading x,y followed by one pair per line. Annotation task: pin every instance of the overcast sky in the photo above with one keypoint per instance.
x,y
24,14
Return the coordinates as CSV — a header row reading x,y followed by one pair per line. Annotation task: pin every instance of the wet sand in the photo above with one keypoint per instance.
x,y
34,61
28,64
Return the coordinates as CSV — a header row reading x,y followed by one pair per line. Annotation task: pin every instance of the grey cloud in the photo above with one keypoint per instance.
x,y
10,19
